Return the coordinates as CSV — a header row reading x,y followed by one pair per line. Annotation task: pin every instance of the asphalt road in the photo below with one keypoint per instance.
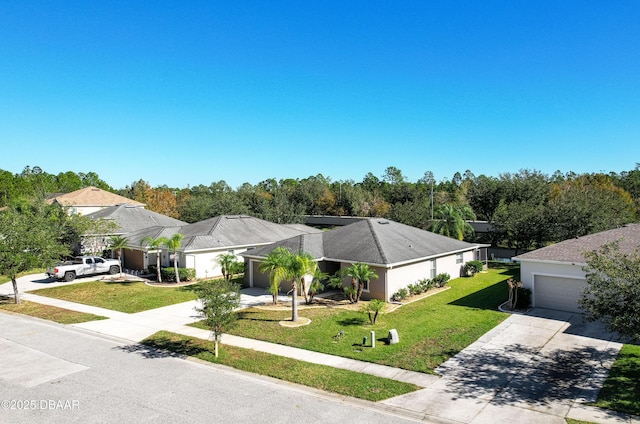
x,y
56,374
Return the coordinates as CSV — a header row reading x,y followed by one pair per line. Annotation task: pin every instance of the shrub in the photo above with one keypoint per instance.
x,y
471,268
237,268
414,289
441,280
185,274
424,284
524,298
401,294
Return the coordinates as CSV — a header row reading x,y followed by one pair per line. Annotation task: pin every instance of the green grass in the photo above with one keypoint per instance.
x,y
344,382
621,389
430,330
51,313
5,279
128,297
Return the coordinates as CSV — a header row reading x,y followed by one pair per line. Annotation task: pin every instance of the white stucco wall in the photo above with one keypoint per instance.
x,y
401,276
529,269
83,210
205,262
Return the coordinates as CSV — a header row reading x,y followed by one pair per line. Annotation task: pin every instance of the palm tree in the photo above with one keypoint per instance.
x,y
155,244
118,243
451,221
275,265
284,265
173,244
316,284
226,261
298,266
360,274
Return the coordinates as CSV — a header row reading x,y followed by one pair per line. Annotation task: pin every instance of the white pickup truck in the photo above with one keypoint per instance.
x,y
83,265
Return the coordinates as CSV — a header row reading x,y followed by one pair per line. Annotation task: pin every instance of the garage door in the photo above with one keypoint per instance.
x,y
558,293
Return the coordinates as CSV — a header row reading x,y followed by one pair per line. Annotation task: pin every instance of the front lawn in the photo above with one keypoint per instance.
x,y
621,390
5,279
129,297
51,313
430,330
344,382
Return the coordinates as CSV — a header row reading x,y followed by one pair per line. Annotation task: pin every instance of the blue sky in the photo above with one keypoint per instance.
x,y
187,93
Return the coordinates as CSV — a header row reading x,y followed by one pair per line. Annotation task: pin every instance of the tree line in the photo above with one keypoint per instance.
x,y
526,209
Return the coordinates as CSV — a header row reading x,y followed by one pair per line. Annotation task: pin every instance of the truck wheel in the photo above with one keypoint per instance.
x,y
114,269
69,276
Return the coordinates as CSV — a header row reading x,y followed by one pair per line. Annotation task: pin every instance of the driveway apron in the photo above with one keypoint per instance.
x,y
530,368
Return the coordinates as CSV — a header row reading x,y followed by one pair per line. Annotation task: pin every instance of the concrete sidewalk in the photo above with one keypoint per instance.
x,y
136,327
510,374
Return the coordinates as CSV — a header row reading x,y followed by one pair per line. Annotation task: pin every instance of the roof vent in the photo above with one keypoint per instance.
x,y
383,222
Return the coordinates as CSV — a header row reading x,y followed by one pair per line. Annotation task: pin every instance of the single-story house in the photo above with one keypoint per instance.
x,y
128,219
398,253
204,241
131,218
555,273
89,199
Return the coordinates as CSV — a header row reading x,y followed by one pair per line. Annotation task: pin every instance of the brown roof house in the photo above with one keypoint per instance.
x,y
555,274
398,253
90,199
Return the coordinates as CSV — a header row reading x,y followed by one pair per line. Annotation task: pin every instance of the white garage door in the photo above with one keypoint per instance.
x,y
558,293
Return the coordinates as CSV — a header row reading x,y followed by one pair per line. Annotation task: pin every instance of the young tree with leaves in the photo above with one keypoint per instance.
x,y
30,237
613,289
218,301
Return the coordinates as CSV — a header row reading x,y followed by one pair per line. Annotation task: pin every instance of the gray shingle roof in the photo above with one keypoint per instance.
x,y
222,232
373,241
572,250
134,218
234,231
135,238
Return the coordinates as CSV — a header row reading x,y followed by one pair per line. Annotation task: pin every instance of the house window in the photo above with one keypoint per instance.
x,y
432,268
458,258
365,286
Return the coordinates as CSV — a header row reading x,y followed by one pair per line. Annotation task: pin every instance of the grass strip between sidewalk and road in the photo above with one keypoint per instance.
x,y
51,313
128,296
335,380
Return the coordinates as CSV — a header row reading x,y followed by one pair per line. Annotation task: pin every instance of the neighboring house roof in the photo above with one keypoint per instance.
x,y
375,241
135,238
92,196
572,250
225,231
133,218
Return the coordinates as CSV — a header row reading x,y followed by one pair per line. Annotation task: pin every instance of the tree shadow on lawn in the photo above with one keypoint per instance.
x,y
351,321
163,347
258,316
488,298
520,374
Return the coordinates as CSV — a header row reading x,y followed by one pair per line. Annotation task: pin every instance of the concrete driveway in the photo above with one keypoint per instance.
x,y
539,367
